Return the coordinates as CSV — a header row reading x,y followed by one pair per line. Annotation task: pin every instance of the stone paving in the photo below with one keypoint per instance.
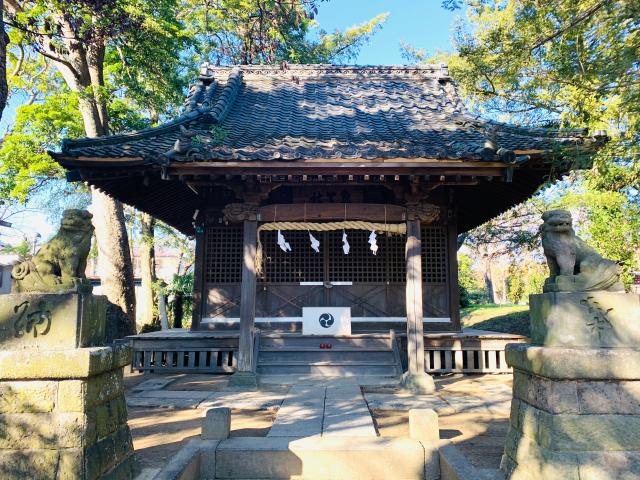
x,y
323,409
473,411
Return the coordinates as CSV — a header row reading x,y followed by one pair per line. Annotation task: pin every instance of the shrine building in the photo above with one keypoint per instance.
x,y
321,186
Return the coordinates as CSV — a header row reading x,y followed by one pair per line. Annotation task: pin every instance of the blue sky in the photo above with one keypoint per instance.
x,y
419,23
423,24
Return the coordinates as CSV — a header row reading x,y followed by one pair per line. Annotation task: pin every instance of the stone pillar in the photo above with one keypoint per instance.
x,y
575,412
62,407
416,379
248,214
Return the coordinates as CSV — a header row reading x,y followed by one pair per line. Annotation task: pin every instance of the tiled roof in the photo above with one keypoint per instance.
x,y
323,111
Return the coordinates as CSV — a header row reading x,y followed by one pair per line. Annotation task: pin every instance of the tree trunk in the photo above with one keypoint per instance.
x,y
178,309
147,269
488,280
81,66
114,260
4,39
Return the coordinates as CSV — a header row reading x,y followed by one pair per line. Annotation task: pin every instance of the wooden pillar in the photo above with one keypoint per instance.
x,y
416,379
247,296
452,262
415,338
247,213
198,279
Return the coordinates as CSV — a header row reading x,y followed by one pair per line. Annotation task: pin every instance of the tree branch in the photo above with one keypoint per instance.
x,y
588,13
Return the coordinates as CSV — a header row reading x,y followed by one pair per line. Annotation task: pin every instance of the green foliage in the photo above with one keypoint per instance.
x,y
23,249
568,63
470,289
268,31
517,323
525,278
337,47
180,298
147,66
151,50
25,165
24,161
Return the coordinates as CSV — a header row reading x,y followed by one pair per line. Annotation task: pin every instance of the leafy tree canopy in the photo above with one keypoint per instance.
x,y
567,63
152,49
561,64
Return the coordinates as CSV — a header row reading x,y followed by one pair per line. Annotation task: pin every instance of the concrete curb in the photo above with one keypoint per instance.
x,y
187,463
278,458
455,466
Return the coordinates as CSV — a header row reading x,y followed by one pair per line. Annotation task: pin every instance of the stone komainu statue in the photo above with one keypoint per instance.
x,y
574,265
59,266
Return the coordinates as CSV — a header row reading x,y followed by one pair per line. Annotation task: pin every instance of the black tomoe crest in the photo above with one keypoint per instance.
x,y
326,320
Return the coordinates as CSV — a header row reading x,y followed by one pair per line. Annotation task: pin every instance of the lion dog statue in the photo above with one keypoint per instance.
x,y
574,266
59,266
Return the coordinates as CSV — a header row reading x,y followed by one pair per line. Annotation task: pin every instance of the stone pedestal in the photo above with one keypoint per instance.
x,y
575,412
62,408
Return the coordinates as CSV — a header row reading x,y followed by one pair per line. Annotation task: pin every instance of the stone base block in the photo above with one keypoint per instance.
x,y
63,415
51,321
587,319
243,379
575,414
418,383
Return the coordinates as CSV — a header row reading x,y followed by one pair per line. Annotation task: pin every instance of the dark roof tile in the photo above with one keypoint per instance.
x,y
321,111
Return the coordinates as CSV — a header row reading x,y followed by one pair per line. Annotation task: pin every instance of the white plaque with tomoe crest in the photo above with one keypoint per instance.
x,y
326,321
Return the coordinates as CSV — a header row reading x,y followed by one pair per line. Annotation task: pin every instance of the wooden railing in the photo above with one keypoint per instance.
x,y
184,352
473,351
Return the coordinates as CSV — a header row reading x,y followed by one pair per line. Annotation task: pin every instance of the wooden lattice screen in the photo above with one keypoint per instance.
x,y
223,254
434,254
223,262
301,264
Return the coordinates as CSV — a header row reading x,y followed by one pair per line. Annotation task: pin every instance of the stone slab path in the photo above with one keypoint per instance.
x,y
328,410
473,411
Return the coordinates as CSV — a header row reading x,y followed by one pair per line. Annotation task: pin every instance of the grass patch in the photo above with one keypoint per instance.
x,y
498,318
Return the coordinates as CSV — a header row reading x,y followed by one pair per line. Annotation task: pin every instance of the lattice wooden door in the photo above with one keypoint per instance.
x,y
372,285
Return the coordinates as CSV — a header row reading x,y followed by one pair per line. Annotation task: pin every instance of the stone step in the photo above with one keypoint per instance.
x,y
335,357
316,348
336,458
352,362
368,380
314,341
328,370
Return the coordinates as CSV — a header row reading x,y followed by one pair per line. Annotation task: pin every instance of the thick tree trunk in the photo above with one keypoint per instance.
x,y
114,260
147,269
81,66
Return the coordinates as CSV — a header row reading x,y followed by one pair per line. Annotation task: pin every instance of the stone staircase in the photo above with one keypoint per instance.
x,y
363,355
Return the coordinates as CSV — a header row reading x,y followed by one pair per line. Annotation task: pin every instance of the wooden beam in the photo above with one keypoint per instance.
x,y
298,212
307,169
415,337
341,161
247,297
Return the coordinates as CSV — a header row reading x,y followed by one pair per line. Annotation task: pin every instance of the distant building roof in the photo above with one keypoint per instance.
x,y
323,111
